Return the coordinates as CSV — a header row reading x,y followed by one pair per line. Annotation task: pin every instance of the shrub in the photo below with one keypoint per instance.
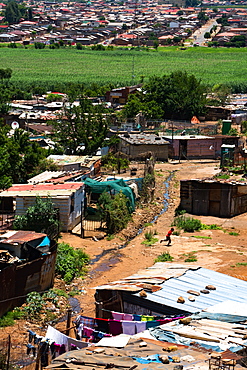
x,y
12,45
164,257
70,262
9,318
79,46
149,238
188,224
39,45
114,211
211,227
191,257
41,217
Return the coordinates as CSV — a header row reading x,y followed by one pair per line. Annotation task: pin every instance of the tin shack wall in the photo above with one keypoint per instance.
x,y
17,281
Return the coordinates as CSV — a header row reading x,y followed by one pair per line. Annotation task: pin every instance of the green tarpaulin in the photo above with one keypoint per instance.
x,y
118,185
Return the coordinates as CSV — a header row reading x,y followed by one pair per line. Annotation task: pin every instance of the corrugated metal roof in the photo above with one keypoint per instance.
x,y
226,286
20,236
41,189
176,280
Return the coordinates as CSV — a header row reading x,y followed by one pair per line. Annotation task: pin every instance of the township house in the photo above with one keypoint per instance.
x,y
137,145
67,197
198,146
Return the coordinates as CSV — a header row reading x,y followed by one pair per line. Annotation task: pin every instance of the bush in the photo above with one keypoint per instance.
x,y
12,45
39,45
164,257
114,211
188,224
79,46
70,262
41,217
149,238
9,318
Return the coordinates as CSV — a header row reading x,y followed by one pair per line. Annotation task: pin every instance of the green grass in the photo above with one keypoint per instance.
x,y
233,233
241,264
164,257
220,65
190,257
201,237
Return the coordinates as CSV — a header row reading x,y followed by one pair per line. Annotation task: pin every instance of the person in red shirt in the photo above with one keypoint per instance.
x,y
168,237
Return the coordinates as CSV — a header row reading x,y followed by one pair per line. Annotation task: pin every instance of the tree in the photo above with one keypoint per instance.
x,y
202,17
12,12
156,44
81,129
189,3
179,95
207,35
41,217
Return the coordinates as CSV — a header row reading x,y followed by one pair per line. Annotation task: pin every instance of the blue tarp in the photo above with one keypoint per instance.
x,y
45,242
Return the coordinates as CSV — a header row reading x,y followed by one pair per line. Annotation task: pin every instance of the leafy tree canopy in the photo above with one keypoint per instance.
x,y
81,129
14,11
19,158
179,95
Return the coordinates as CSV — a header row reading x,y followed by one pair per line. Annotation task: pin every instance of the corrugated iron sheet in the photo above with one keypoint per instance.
x,y
226,286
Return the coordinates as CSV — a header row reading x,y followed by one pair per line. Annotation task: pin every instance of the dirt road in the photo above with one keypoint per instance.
x,y
217,249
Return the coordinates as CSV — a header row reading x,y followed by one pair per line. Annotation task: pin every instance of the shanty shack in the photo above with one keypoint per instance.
x,y
67,197
157,291
198,146
27,264
213,197
87,164
138,145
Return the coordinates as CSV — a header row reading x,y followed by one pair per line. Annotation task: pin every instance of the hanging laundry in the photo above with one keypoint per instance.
x,y
87,321
127,317
44,353
117,316
31,336
103,325
129,327
88,333
115,327
147,318
152,324
31,349
140,326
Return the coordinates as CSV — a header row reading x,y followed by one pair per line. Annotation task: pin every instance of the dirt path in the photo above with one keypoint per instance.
x,y
217,250
220,251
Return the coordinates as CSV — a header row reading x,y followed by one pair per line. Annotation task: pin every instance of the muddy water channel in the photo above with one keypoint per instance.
x,y
115,252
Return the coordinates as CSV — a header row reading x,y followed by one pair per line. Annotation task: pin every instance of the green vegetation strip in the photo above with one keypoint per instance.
x,y
212,65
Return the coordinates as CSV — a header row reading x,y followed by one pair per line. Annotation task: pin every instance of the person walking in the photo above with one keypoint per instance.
x,y
168,237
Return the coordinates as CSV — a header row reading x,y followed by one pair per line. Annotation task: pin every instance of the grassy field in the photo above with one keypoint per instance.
x,y
212,65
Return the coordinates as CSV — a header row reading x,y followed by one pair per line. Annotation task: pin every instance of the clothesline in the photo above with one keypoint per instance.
x,y
154,316
88,327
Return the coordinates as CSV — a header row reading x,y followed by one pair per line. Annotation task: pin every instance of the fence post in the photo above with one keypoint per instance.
x,y
8,353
